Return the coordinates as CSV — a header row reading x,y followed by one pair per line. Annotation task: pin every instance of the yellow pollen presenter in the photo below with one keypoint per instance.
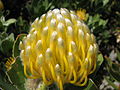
x,y
59,49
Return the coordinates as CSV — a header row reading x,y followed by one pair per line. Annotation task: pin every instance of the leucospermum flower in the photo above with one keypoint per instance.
x,y
59,48
81,14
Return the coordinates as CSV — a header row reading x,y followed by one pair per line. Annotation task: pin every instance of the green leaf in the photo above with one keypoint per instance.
x,y
91,85
6,86
96,18
8,22
2,19
3,35
118,55
111,83
5,82
16,74
1,27
102,22
7,44
99,61
113,69
105,2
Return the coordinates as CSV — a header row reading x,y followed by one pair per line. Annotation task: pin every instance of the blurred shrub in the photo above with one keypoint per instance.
x,y
6,39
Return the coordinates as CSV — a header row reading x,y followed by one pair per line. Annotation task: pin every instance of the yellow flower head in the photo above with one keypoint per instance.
x,y
81,14
59,48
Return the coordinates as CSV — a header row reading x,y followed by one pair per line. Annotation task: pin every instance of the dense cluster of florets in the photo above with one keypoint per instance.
x,y
59,48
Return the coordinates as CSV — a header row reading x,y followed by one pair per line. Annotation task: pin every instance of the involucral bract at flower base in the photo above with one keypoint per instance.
x,y
59,48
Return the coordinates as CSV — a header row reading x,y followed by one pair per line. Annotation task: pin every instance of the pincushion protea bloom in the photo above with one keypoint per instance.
x,y
59,48
81,14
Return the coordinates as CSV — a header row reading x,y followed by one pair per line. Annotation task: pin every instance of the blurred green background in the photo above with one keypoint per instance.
x,y
102,17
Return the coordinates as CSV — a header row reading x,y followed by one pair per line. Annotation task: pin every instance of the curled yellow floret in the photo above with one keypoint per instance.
x,y
59,48
10,61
